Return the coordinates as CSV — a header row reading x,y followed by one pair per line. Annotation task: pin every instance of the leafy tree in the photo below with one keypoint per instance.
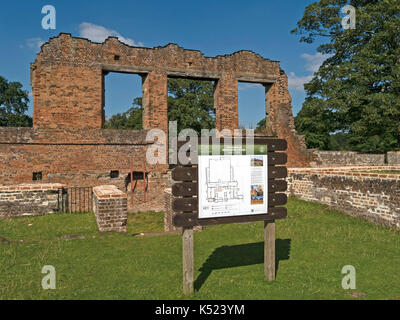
x,y
338,141
131,119
13,105
190,103
261,125
357,89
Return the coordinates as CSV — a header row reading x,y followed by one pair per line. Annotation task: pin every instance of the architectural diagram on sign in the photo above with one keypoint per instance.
x,y
220,181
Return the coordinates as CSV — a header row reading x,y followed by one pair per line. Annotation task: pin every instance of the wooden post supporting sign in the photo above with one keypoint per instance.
x,y
269,250
188,265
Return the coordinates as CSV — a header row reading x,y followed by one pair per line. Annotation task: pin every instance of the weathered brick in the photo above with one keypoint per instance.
x,y
368,196
110,209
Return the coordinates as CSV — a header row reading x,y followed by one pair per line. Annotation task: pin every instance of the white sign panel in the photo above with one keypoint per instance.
x,y
232,185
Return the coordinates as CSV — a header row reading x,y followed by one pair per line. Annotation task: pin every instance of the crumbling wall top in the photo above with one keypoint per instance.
x,y
113,55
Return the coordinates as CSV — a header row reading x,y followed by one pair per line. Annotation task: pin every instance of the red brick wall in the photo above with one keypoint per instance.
x,y
67,96
81,158
68,87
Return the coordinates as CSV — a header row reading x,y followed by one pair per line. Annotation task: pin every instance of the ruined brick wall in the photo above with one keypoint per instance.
x,y
82,158
29,199
348,158
67,143
280,122
68,85
371,196
110,208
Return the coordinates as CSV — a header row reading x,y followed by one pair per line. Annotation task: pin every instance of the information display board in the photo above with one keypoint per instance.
x,y
231,182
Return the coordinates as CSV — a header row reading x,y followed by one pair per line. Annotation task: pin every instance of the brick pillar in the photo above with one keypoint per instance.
x,y
226,102
155,100
110,208
268,121
277,95
155,105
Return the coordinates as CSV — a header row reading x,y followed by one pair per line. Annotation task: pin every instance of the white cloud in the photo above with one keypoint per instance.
x,y
297,83
33,43
314,61
98,33
247,85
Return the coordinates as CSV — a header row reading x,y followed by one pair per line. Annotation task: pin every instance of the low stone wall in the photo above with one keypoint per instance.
x,y
374,197
393,158
29,199
347,158
110,208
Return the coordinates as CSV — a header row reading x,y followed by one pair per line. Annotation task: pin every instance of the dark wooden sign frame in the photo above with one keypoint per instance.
x,y
185,204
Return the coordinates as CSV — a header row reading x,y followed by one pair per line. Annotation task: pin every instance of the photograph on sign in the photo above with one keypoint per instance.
x,y
232,183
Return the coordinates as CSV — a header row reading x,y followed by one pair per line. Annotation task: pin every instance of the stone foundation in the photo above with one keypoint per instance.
x,y
29,199
110,208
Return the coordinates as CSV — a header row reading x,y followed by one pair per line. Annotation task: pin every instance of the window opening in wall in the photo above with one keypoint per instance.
x,y
114,174
191,103
252,112
122,100
37,176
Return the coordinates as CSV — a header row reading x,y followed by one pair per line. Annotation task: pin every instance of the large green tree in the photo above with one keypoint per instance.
x,y
190,103
13,105
356,91
131,119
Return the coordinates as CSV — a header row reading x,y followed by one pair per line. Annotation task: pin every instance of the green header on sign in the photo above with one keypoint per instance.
x,y
257,149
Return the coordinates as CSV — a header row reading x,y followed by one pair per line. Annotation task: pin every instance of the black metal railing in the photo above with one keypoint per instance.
x,y
75,200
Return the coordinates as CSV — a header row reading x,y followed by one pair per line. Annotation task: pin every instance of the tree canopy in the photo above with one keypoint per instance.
x,y
131,119
13,105
356,91
191,104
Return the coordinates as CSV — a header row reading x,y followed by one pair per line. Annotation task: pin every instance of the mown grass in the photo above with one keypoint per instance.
x,y
313,244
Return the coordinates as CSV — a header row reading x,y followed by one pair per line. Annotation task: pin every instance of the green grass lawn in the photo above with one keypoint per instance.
x,y
313,244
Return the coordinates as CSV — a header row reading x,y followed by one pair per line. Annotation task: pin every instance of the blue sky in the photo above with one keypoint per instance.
x,y
213,27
